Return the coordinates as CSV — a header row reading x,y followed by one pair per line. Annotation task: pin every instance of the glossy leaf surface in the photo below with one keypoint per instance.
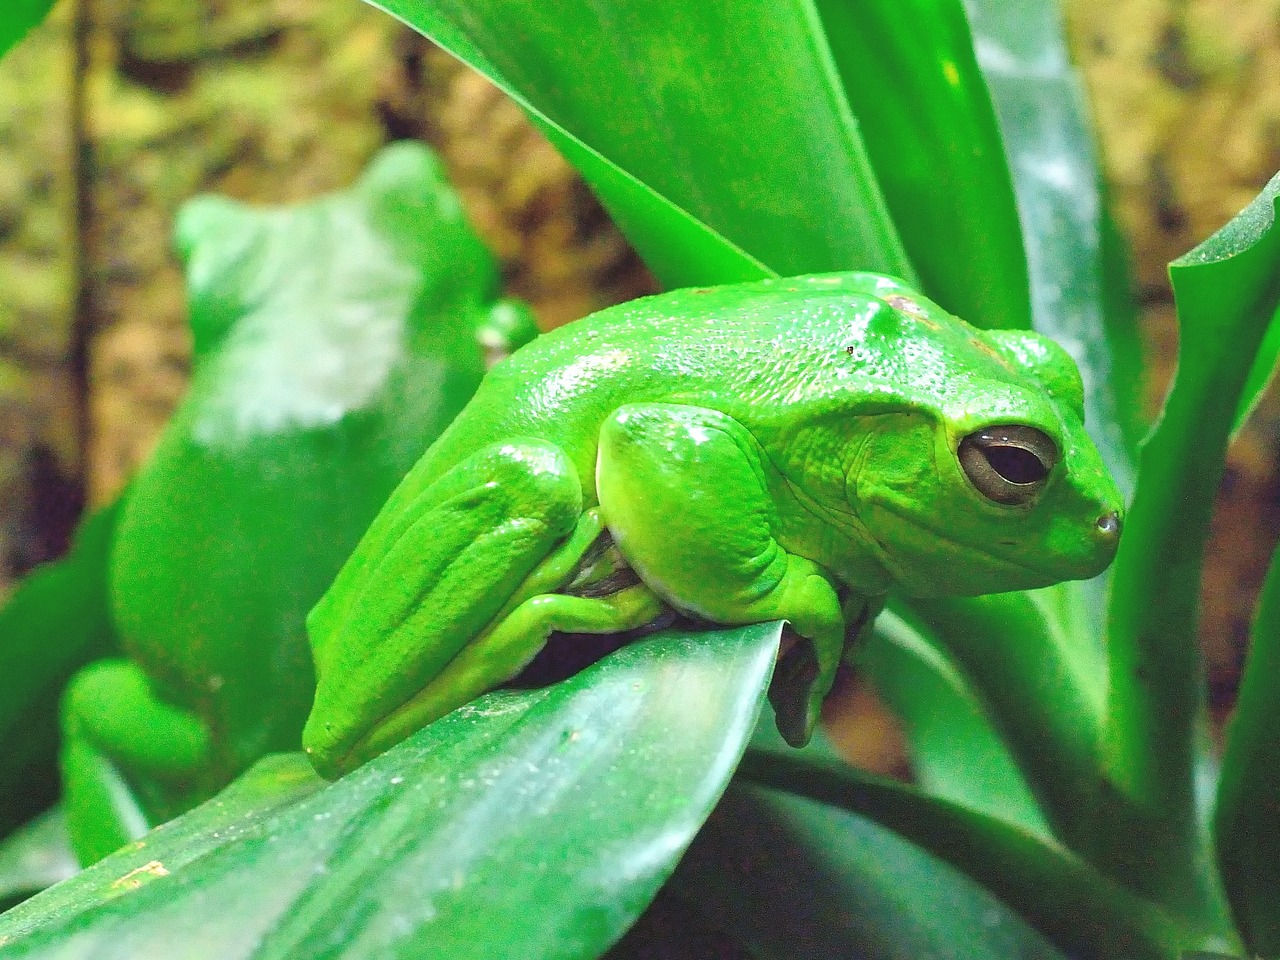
x,y
692,102
536,823
925,114
1226,294
57,620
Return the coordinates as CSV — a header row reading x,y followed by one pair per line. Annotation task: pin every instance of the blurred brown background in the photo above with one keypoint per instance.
x,y
116,111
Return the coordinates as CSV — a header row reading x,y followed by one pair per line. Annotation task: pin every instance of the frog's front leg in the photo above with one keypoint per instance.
x,y
127,756
686,492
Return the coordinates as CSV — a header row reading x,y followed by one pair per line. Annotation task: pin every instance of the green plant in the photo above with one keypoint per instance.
x,y
1060,755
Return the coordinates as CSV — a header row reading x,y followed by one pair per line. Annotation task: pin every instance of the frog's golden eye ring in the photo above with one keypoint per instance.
x,y
1008,464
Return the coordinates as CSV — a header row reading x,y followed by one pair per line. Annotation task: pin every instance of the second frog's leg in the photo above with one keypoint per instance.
x,y
689,496
119,739
428,580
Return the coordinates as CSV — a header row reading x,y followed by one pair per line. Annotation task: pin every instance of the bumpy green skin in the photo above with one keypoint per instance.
x,y
333,342
783,449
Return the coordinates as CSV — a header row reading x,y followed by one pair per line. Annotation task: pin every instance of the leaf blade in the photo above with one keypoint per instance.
x,y
1226,293
1071,903
777,169
1245,828
452,825
927,120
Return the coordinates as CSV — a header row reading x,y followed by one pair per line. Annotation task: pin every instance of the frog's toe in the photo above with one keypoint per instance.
x,y
796,694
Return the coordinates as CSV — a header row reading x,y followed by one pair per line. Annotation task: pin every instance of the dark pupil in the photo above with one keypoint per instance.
x,y
1015,464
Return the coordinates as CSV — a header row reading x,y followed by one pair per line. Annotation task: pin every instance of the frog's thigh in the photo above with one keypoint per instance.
x,y
115,730
499,524
507,649
684,490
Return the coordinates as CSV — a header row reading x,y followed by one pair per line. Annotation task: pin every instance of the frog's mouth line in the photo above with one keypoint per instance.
x,y
899,570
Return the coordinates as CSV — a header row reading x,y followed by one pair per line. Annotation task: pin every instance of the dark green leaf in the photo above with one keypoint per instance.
x,y
693,102
805,881
1245,822
1227,291
1081,910
18,18
532,824
926,118
57,620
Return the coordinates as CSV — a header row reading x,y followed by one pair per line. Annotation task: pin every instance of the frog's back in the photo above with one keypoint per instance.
x,y
761,352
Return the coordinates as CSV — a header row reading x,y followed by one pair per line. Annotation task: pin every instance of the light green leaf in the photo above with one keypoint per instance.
x,y
926,118
681,119
1049,141
530,824
1226,292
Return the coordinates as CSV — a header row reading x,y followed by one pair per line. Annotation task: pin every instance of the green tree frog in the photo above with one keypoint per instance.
x,y
785,449
334,341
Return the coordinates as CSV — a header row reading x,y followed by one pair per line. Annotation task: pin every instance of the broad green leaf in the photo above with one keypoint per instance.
x,y
955,752
732,114
797,880
1083,912
1245,823
926,118
529,824
1226,292
57,620
18,18
334,342
35,856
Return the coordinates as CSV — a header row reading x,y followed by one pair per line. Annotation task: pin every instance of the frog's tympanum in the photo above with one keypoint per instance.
x,y
789,449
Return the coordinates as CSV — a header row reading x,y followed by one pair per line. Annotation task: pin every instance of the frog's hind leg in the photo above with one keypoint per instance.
x,y
504,650
128,758
429,578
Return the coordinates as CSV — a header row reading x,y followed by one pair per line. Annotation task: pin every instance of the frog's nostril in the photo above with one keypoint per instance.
x,y
1109,524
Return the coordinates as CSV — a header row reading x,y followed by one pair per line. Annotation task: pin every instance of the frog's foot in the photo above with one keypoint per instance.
x,y
430,578
126,754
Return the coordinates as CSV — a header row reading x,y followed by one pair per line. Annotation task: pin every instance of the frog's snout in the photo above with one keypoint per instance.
x,y
1106,536
1108,526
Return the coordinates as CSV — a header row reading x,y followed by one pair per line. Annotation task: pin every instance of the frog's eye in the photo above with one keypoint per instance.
x,y
1008,464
